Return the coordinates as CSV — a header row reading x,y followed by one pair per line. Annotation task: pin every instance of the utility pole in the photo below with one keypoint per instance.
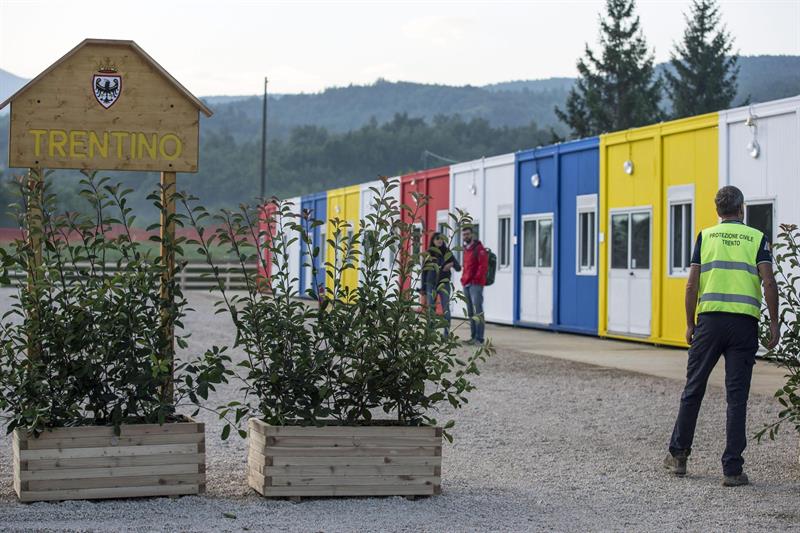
x,y
264,143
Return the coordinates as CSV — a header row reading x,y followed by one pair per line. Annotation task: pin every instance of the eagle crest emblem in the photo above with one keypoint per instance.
x,y
107,85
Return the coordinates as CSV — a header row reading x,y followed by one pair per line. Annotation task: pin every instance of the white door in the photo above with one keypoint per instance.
x,y
629,275
536,275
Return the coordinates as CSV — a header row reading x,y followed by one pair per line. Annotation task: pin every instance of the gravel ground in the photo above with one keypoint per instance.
x,y
544,445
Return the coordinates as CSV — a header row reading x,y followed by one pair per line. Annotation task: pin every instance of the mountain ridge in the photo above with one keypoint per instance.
x,y
504,104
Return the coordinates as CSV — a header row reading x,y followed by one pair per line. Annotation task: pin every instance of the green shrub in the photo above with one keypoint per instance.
x,y
363,348
82,343
787,352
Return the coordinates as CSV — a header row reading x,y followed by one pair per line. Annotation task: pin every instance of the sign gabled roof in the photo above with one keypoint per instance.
x,y
115,42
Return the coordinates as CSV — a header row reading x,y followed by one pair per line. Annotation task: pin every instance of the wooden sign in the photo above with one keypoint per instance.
x,y
105,105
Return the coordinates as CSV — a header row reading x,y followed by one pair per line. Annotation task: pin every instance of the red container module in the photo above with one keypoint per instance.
x,y
431,217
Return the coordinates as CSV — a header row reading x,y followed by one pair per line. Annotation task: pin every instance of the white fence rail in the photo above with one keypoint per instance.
x,y
195,276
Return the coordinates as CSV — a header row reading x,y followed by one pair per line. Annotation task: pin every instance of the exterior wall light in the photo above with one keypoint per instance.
x,y
753,148
535,180
627,167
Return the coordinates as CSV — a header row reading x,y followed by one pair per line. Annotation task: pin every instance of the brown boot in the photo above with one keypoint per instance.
x,y
676,464
735,481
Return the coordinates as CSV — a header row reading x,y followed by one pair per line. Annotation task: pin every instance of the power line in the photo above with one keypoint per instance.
x,y
426,153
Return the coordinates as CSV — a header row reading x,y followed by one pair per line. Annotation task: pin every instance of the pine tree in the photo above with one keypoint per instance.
x,y
617,89
705,72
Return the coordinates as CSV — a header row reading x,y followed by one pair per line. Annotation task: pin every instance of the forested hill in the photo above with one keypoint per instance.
x,y
348,108
513,103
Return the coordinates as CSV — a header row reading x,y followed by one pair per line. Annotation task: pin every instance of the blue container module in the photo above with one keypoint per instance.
x,y
556,229
317,206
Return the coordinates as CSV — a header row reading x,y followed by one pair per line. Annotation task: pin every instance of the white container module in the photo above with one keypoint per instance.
x,y
370,193
759,151
293,265
276,264
484,188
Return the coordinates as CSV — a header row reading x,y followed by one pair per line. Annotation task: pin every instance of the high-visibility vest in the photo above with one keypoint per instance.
x,y
729,280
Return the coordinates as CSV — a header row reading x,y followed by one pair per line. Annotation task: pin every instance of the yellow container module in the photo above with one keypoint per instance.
x,y
343,204
657,187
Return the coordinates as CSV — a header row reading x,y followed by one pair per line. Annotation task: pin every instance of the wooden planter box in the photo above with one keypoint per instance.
x,y
90,462
344,460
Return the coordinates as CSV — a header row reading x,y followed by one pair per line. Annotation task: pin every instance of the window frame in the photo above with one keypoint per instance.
x,y
504,248
442,223
761,201
417,238
457,243
536,218
680,195
672,271
629,212
586,204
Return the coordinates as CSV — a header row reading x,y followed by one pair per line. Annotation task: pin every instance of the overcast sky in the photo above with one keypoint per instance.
x,y
227,47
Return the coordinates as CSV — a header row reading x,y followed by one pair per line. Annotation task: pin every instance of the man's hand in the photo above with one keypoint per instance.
x,y
771,296
774,334
692,284
448,267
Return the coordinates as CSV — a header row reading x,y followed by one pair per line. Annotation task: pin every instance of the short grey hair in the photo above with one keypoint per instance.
x,y
729,201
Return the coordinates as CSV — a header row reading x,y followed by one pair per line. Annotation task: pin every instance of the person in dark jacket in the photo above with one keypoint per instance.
x,y
473,279
436,276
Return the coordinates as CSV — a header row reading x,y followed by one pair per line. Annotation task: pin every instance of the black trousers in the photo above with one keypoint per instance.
x,y
736,337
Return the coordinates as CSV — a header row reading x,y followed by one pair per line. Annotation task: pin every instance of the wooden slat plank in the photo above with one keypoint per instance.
x,y
277,451
119,451
340,481
102,442
106,462
377,460
255,479
319,441
105,493
344,431
126,430
343,490
117,482
122,471
347,470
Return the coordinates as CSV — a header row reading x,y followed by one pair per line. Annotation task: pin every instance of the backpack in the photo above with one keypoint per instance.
x,y
492,270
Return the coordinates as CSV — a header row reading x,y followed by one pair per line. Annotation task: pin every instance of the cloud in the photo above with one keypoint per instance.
x,y
439,30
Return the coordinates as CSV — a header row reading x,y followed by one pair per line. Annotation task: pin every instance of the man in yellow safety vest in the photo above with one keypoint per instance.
x,y
729,265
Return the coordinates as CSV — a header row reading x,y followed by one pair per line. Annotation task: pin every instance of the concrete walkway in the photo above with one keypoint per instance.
x,y
635,357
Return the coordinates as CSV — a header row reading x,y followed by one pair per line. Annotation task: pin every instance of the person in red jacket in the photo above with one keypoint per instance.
x,y
473,279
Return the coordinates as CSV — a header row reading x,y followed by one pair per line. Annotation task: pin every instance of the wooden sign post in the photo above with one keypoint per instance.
x,y
107,105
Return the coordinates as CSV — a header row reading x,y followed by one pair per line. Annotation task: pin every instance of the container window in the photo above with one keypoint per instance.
x,y
476,231
370,242
759,216
680,227
504,241
545,243
586,241
619,241
640,241
458,243
529,243
416,240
